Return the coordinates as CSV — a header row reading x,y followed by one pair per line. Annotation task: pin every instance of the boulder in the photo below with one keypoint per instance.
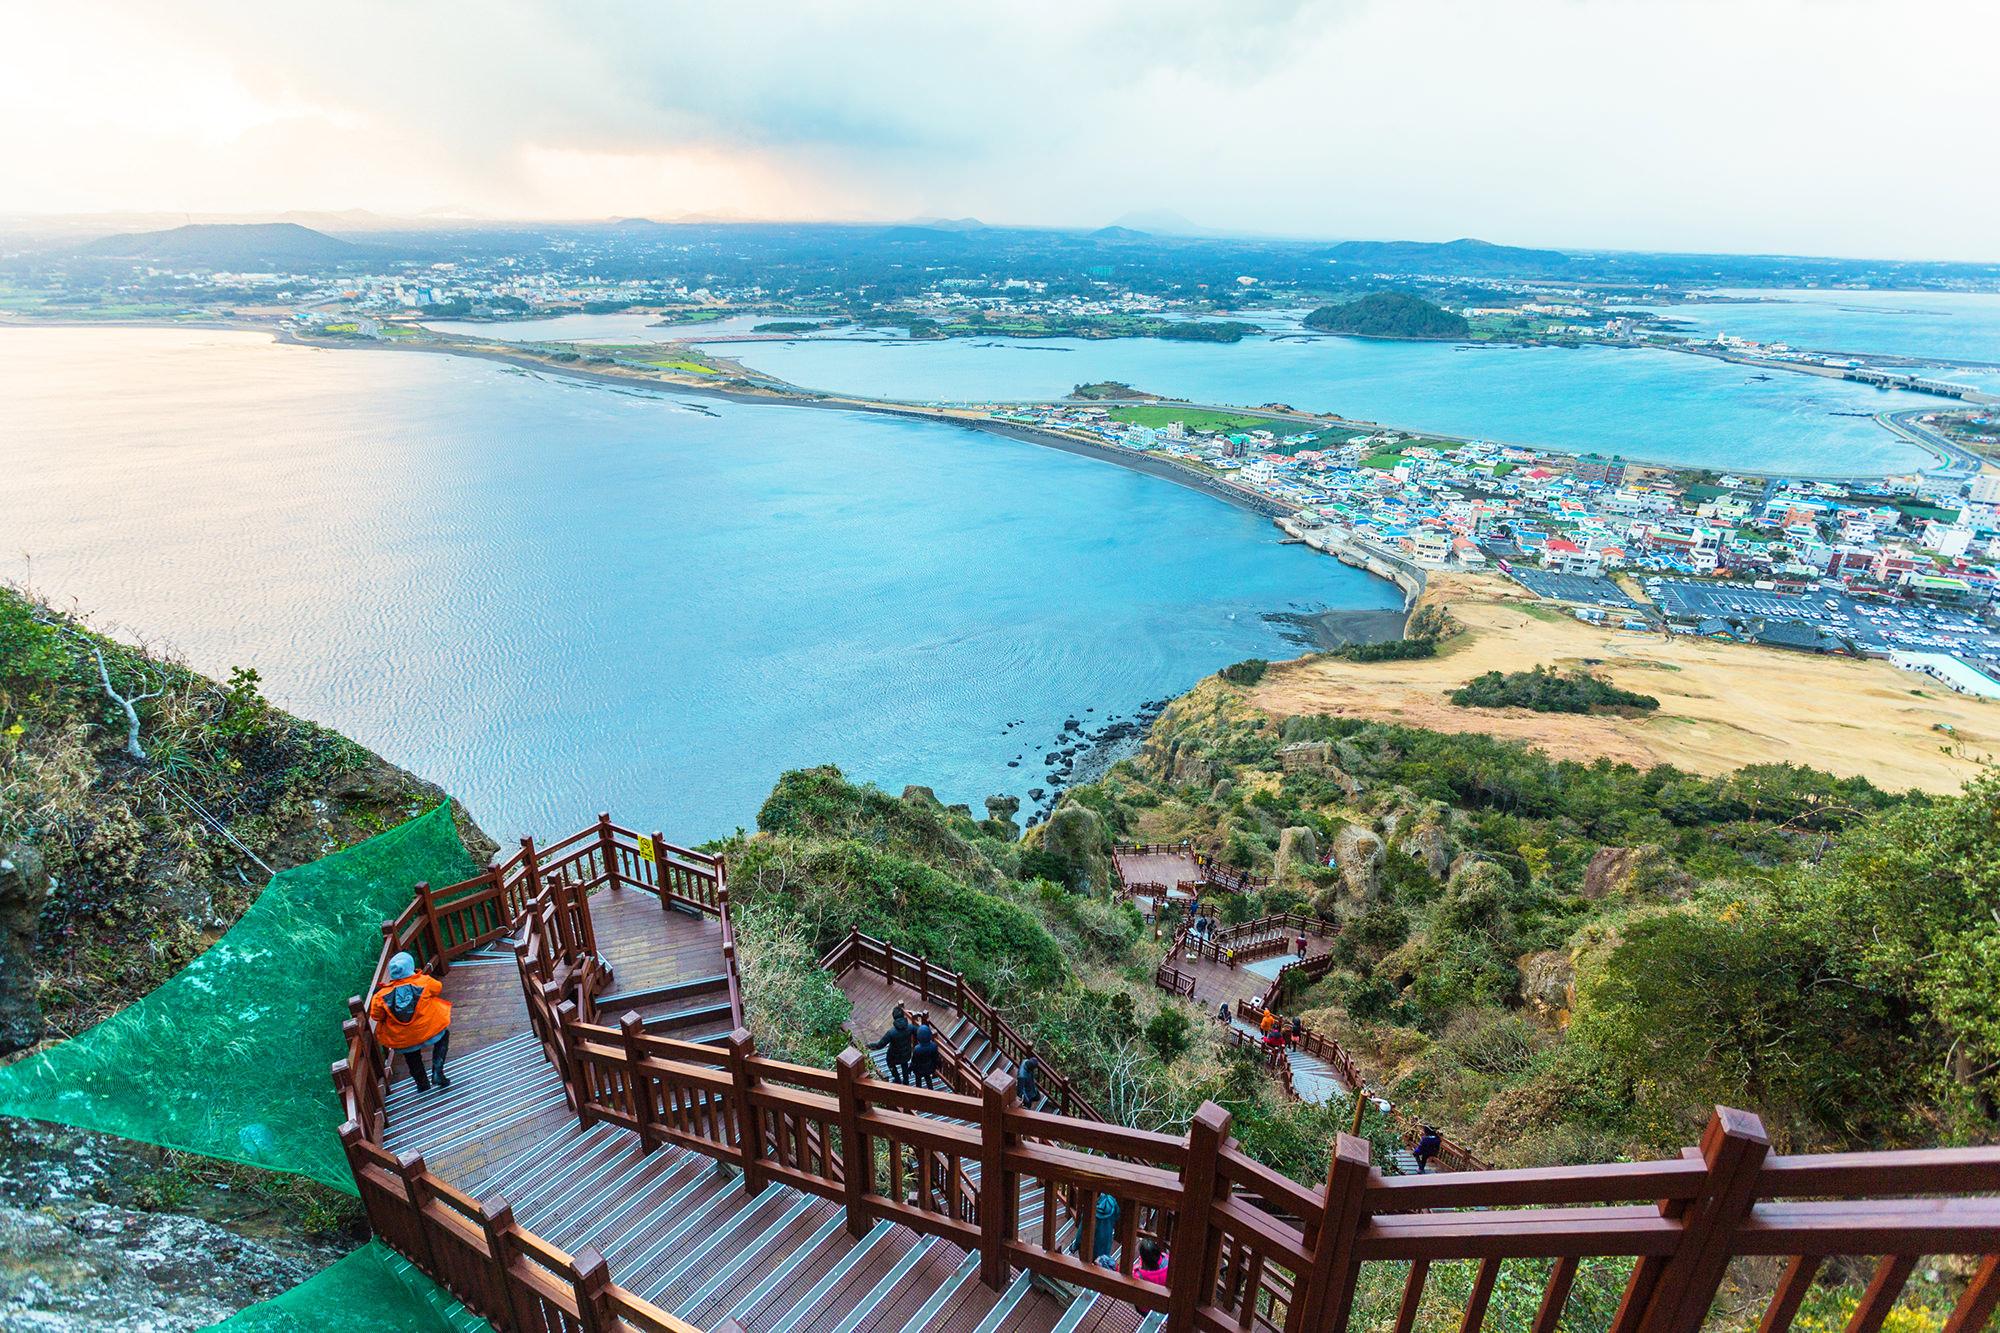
x,y
24,886
1076,835
1645,871
1548,986
999,821
1424,842
1358,854
916,795
1192,770
1298,849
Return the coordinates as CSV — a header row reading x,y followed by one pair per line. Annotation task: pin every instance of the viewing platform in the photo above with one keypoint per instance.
x,y
614,1156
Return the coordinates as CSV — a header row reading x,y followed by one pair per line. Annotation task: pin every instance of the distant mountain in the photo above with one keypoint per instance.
x,y
1466,257
1118,233
1388,315
220,245
1160,222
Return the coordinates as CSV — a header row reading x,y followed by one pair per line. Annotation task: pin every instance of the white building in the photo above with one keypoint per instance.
x,y
1955,672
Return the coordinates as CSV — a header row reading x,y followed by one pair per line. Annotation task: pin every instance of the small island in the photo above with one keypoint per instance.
x,y
1389,315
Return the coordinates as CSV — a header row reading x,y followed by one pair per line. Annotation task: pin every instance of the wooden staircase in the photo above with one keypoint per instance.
x,y
694,1010
679,1231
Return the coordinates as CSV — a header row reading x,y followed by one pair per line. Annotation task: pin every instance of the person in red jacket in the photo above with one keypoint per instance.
x,y
412,1016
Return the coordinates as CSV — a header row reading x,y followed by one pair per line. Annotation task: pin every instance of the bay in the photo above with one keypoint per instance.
x,y
555,598
1652,406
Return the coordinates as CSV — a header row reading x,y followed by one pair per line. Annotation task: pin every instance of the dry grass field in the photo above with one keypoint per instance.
x,y
1722,705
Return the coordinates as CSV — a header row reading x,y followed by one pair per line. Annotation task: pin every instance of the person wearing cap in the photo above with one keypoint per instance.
x,y
412,1016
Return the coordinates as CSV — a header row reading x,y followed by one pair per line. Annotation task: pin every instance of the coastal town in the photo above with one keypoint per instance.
x,y
1901,567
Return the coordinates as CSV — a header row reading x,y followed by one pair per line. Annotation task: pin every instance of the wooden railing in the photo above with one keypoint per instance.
x,y
1305,969
1249,940
1452,1155
1233,881
498,1269
539,899
1251,1249
901,968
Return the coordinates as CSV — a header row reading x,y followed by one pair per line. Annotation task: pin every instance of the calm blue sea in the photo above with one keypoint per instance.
x,y
556,599
1943,327
1664,407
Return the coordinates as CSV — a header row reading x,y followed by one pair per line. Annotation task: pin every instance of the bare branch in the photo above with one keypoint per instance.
x,y
130,705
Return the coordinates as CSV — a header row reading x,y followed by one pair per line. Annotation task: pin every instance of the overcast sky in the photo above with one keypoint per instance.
x,y
1808,126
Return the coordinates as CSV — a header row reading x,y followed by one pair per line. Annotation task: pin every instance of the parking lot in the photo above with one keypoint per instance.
x,y
1873,627
1584,590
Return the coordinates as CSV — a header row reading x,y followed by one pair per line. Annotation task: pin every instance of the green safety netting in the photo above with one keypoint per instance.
x,y
229,1058
372,1288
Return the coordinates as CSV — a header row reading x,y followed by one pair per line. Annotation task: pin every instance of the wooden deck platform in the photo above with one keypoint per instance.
x,y
676,1227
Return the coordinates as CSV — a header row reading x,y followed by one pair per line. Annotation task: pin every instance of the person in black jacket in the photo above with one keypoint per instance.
x,y
898,1041
924,1055
1428,1144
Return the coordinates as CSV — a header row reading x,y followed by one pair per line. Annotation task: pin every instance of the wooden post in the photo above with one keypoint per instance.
x,y
749,1134
531,869
439,963
996,1183
590,1279
924,976
607,850
410,1168
498,1226
1189,1280
858,1158
638,1093
660,867
578,1089
1328,1285
1734,1146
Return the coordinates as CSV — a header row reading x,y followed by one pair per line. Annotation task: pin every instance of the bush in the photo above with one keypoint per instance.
x,y
1392,650
1169,1033
1547,691
1247,672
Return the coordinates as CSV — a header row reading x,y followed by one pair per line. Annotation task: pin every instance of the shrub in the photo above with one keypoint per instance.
x,y
1247,672
1546,691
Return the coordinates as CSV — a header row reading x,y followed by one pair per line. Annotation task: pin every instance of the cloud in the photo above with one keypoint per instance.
x,y
1786,124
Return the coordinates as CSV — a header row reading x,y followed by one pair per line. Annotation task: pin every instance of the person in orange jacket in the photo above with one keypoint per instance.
x,y
412,1016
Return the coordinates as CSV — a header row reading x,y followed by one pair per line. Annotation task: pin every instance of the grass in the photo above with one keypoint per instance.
x,y
1206,420
649,355
1385,461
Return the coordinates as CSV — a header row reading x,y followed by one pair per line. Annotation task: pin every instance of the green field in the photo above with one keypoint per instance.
x,y
1207,420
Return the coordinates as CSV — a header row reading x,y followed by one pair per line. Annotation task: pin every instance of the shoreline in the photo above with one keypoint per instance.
x,y
783,392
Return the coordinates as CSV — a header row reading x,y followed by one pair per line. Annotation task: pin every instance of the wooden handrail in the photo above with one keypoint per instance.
x,y
1250,1248
899,967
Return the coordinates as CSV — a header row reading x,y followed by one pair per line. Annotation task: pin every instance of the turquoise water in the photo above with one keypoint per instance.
x,y
1942,326
555,599
1664,407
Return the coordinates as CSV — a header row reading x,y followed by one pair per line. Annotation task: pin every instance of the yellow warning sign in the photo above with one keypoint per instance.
x,y
645,848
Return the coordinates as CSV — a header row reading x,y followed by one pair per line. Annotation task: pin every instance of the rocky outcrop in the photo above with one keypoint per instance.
x,y
999,821
1075,834
1357,855
1191,770
23,888
1548,986
1298,851
1645,871
89,1246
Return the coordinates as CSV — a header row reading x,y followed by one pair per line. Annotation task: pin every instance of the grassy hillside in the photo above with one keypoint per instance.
x,y
1566,961
1070,969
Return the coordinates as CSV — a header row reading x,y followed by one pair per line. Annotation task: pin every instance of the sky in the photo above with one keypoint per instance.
x,y
1799,126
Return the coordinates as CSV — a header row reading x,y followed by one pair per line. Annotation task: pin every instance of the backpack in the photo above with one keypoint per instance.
x,y
403,1002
